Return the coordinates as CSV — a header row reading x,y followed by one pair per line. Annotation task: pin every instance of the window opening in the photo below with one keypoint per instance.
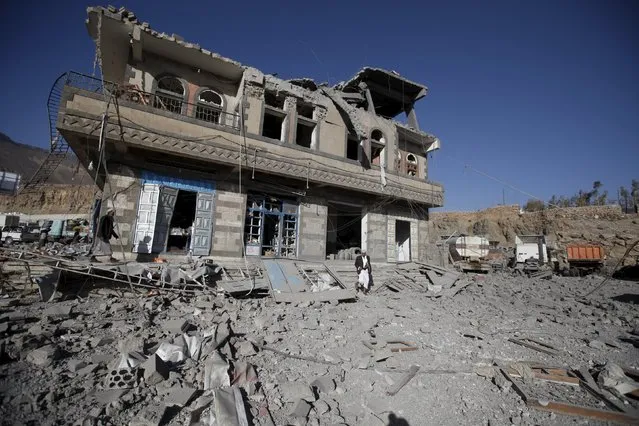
x,y
305,110
273,125
181,228
304,134
209,106
270,227
169,95
411,165
378,143
272,100
352,148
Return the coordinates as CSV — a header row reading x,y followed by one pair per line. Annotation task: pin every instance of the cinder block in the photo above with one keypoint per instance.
x,y
155,370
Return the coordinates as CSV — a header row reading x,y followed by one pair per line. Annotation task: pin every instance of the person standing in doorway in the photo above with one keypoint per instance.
x,y
102,244
364,271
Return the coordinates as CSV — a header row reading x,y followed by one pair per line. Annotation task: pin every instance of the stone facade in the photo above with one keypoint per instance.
x,y
122,192
228,223
312,230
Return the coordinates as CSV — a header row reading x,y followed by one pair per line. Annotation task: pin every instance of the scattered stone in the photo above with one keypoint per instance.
x,y
176,326
321,407
89,369
246,348
58,311
300,408
179,396
501,382
150,416
44,355
596,344
324,384
155,370
75,364
108,396
292,391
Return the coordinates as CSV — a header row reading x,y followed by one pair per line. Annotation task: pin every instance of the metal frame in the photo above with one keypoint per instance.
x,y
285,244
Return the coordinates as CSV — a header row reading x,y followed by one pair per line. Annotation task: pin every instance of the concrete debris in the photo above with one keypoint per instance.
x,y
179,396
291,391
614,379
300,408
43,356
324,384
124,378
171,353
216,372
155,370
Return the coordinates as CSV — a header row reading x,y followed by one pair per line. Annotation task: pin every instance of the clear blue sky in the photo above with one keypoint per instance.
x,y
541,94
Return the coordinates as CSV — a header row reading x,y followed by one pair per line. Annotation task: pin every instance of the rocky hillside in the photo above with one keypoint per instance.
x,y
25,159
603,225
54,199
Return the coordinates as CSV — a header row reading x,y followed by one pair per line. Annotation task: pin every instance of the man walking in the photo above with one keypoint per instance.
x,y
364,271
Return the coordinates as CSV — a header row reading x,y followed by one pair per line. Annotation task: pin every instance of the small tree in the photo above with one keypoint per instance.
x,y
634,193
624,199
534,206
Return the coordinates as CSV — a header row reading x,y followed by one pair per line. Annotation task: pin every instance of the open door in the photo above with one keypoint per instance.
x,y
402,240
163,221
145,222
203,226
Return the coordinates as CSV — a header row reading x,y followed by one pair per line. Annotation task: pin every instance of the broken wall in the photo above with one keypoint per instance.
x,y
374,234
123,194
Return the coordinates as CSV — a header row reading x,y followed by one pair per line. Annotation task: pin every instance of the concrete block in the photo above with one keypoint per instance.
x,y
301,408
324,384
58,311
179,396
123,378
292,391
155,370
44,355
75,364
175,326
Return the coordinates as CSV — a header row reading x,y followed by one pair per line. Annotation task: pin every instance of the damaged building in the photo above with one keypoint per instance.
x,y
179,136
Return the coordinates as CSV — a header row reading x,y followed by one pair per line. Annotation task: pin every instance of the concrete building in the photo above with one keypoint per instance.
x,y
259,165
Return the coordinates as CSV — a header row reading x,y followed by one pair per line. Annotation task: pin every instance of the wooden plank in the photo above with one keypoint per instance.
x,y
239,407
561,379
537,347
407,378
576,410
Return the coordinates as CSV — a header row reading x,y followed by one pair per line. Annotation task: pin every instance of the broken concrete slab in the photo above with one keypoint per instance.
x,y
292,391
124,378
178,396
58,311
216,372
324,384
176,326
151,416
300,408
108,396
155,370
75,364
246,348
44,355
171,353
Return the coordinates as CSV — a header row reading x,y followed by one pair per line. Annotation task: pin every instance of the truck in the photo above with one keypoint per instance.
x,y
584,259
469,253
9,220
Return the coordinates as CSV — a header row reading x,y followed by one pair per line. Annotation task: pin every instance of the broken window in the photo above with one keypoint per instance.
x,y
169,94
270,227
378,143
411,165
209,106
305,132
271,99
273,125
352,148
305,110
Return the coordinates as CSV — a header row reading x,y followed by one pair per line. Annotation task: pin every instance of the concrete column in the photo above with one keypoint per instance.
x,y
311,238
253,109
290,121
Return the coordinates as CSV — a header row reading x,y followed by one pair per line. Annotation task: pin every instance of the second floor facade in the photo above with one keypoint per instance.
x,y
178,88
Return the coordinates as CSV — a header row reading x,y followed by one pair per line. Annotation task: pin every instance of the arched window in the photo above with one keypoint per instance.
x,y
209,106
169,94
411,165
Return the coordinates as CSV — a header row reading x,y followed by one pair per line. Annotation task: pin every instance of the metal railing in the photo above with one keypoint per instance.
x,y
162,101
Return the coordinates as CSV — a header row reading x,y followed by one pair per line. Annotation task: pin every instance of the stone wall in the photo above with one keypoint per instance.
x,y
228,222
374,232
312,230
122,191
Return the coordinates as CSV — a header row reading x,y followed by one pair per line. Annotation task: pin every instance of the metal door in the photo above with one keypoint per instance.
x,y
145,222
168,196
203,226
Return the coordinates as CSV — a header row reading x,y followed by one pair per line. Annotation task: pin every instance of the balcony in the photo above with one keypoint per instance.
x,y
174,127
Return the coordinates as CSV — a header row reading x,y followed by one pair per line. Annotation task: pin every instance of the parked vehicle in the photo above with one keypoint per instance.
x,y
20,234
584,259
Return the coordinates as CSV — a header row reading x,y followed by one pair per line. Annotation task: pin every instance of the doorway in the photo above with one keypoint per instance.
x,y
181,226
344,227
402,240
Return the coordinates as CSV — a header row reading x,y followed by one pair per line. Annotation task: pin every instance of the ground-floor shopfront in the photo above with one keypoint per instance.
x,y
163,212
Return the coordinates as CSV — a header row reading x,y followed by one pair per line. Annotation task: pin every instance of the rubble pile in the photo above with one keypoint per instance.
x,y
116,357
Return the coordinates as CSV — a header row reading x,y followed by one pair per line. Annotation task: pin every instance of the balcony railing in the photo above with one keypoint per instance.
x,y
161,101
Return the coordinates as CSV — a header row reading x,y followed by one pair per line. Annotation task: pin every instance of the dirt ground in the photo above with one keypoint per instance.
x,y
460,342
